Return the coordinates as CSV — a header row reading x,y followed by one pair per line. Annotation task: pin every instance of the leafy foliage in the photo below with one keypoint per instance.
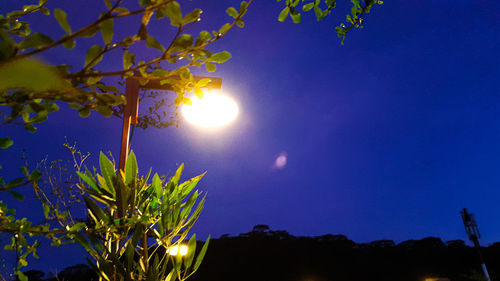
x,y
324,8
133,222
31,88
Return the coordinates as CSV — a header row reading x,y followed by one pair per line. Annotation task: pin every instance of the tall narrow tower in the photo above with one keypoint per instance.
x,y
473,233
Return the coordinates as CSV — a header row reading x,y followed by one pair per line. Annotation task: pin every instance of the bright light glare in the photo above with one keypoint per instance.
x,y
213,110
176,250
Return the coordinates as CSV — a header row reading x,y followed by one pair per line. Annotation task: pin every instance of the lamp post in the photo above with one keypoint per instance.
x,y
130,113
132,87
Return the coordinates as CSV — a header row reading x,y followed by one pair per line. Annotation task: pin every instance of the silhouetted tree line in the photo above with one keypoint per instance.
x,y
268,255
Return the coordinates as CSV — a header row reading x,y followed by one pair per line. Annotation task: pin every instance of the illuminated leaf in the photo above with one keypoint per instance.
x,y
203,37
225,28
232,12
159,72
94,56
308,7
220,57
106,28
104,110
296,17
201,255
151,42
191,17
128,59
184,41
35,40
210,67
173,12
31,74
284,14
131,169
61,18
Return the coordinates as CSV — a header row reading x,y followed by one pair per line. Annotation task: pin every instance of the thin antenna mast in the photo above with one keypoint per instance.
x,y
473,234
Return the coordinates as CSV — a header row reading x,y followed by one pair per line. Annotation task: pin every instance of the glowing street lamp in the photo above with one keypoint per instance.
x,y
212,110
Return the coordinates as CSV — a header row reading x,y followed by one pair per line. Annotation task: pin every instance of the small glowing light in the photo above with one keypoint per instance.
x,y
176,250
280,162
213,110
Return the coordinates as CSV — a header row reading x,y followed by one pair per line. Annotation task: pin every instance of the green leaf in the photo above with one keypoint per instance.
x,y
95,210
90,181
28,73
243,7
104,110
232,12
201,255
106,28
151,42
94,56
130,169
191,250
46,210
5,142
61,18
35,40
160,72
224,28
45,11
156,184
77,226
17,195
21,275
220,57
107,169
203,37
89,33
121,10
318,12
70,44
191,17
173,12
184,41
308,7
210,67
177,176
296,17
108,4
240,23
35,175
93,79
187,186
107,88
128,59
15,182
84,112
284,14
30,128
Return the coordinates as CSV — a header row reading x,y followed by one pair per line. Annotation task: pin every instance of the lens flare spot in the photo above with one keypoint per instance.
x,y
280,161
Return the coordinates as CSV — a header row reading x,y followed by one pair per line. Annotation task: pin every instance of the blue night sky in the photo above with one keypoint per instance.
x,y
386,137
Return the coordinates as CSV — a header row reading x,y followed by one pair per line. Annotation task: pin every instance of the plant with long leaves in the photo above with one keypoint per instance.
x,y
133,212
133,223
